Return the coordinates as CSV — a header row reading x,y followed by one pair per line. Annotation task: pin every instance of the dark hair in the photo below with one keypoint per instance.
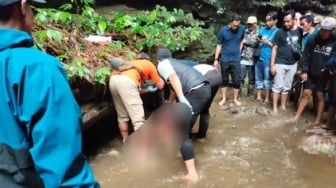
x,y
7,12
235,17
308,18
290,12
272,14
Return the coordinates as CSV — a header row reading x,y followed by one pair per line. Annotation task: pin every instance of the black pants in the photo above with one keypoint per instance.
x,y
198,99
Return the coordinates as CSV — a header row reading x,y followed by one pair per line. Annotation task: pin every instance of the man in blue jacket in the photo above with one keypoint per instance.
x,y
40,137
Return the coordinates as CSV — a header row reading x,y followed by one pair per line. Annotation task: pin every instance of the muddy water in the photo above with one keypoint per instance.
x,y
245,147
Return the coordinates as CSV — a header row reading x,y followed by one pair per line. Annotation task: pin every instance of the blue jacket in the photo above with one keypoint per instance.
x,y
39,112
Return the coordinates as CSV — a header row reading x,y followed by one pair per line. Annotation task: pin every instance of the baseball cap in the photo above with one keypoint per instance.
x,y
318,19
8,2
164,53
328,23
251,20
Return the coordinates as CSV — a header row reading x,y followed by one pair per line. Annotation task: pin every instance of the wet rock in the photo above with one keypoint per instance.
x,y
93,112
263,111
318,144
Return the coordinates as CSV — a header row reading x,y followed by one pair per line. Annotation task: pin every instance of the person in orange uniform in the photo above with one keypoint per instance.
x,y
125,90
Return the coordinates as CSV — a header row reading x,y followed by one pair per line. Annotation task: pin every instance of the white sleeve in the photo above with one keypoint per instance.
x,y
165,69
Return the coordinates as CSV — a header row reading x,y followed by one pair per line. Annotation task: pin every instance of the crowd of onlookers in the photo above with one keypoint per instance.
x,y
279,62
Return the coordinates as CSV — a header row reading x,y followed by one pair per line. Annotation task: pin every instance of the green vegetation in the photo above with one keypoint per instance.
x,y
62,34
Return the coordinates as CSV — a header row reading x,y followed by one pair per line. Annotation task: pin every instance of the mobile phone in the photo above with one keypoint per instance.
x,y
259,36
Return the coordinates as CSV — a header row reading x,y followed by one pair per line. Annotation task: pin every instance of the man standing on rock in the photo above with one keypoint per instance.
x,y
41,135
227,55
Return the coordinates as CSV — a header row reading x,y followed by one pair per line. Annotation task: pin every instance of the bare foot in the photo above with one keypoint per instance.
x,y
283,108
191,178
237,102
275,113
293,120
222,102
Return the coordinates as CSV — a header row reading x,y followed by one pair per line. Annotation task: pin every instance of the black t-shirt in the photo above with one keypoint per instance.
x,y
281,39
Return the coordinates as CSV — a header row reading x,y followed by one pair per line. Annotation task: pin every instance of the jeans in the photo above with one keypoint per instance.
x,y
263,75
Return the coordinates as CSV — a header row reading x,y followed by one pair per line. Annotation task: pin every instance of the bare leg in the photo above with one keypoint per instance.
x,y
191,169
268,95
259,98
320,107
331,115
223,91
123,127
283,101
303,103
235,97
275,102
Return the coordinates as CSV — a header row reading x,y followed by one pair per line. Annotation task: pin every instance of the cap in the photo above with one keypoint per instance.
x,y
318,19
115,62
328,23
251,20
8,2
164,53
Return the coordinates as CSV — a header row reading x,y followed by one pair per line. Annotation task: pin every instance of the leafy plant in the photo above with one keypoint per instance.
x,y
77,68
102,74
130,33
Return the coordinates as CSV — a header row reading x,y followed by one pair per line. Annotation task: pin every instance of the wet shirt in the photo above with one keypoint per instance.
x,y
266,50
230,42
39,112
189,77
316,54
281,39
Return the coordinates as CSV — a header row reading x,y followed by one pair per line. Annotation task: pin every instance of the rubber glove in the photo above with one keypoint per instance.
x,y
182,99
151,89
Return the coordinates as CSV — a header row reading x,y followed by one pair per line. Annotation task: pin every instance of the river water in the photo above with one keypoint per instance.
x,y
245,147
